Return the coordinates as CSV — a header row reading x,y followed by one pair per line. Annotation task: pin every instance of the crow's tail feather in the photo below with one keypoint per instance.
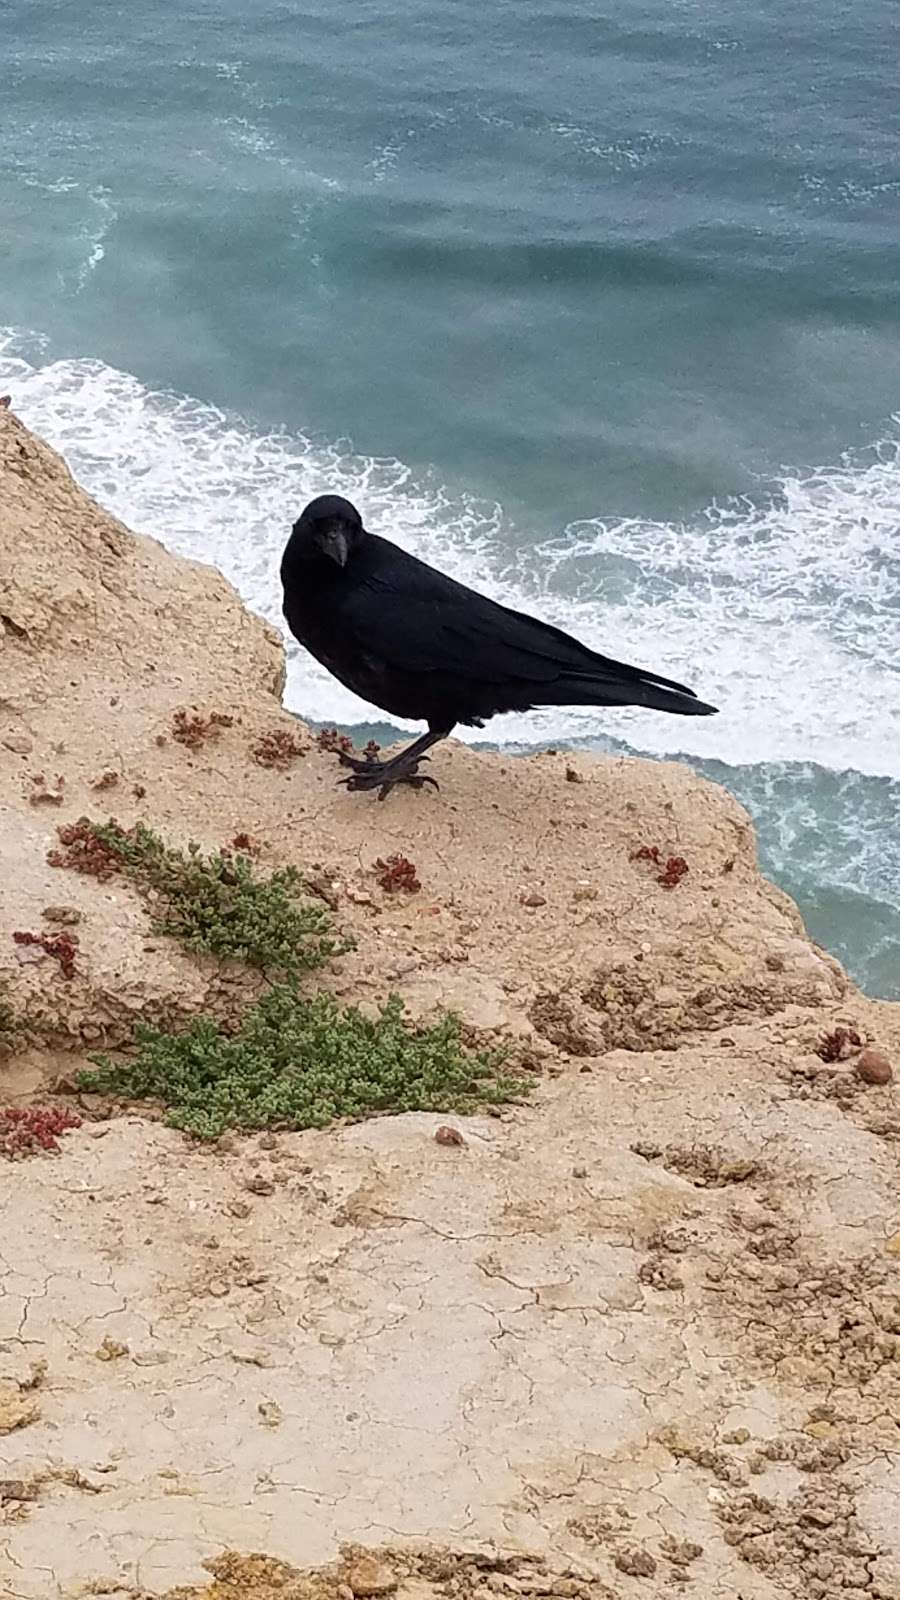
x,y
657,694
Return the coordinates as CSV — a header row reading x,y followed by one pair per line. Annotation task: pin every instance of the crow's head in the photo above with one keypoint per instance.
x,y
330,526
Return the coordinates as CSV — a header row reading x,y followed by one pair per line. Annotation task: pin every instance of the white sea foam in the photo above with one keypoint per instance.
x,y
621,155
785,613
93,234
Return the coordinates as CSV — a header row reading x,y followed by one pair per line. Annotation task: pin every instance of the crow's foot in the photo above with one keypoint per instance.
x,y
383,775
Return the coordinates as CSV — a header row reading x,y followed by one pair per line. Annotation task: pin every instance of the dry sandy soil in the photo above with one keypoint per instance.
x,y
637,1337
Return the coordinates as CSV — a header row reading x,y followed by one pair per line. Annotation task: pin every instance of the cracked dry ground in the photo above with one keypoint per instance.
x,y
631,1345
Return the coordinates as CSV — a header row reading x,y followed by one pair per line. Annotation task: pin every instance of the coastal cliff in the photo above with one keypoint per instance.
x,y
640,1330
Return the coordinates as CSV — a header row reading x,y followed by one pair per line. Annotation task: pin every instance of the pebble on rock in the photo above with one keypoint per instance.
x,y
447,1135
873,1067
635,1563
66,916
368,1577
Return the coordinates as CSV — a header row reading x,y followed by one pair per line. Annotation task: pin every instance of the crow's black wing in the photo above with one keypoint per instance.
x,y
417,620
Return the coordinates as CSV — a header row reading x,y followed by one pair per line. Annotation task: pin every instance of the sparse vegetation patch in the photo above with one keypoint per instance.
x,y
336,744
192,729
28,1130
7,1022
212,904
673,869
397,875
279,748
303,1062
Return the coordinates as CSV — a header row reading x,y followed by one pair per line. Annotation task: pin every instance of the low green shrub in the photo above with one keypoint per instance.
x,y
303,1062
212,904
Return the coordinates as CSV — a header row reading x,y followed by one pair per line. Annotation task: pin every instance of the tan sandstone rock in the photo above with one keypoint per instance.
x,y
603,1330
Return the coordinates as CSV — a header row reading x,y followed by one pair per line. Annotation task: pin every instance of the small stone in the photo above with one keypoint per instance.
x,y
29,954
19,744
247,1276
647,1149
270,1413
259,1184
820,1516
66,916
46,791
453,952
217,1287
681,1552
18,1489
447,1135
401,969
573,775
579,1172
532,899
111,1350
238,1208
635,1563
267,1141
16,1410
251,1358
368,1576
819,1428
872,1066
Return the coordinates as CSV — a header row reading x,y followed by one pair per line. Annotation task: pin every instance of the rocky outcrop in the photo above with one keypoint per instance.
x,y
644,1330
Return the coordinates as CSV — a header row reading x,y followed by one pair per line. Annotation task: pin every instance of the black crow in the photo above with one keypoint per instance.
x,y
419,645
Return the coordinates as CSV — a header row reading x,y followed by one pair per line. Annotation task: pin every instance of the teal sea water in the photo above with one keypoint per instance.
x,y
595,307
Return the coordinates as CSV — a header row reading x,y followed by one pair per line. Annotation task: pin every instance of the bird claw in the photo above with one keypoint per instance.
x,y
415,780
383,775
358,765
384,781
369,767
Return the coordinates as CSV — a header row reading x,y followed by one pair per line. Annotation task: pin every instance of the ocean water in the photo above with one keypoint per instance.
x,y
596,308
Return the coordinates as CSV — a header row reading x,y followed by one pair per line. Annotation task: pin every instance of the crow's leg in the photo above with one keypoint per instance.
x,y
402,768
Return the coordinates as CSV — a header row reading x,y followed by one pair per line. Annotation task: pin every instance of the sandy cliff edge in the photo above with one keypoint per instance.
x,y
645,1329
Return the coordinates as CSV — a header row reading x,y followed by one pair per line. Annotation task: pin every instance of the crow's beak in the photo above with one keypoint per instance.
x,y
336,546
